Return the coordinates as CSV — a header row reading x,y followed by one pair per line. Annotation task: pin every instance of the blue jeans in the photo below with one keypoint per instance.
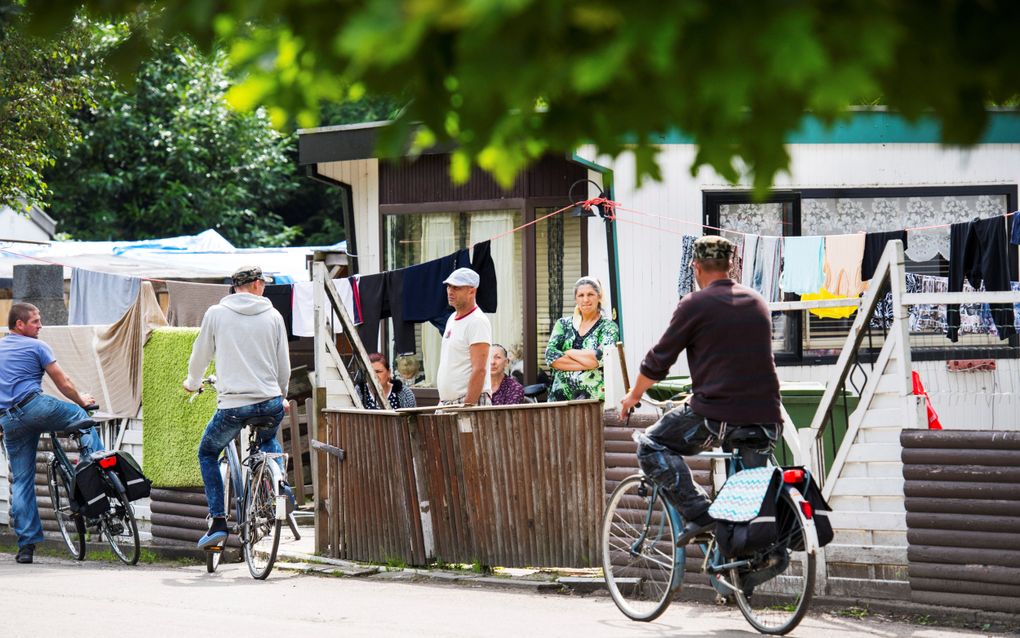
x,y
225,425
22,427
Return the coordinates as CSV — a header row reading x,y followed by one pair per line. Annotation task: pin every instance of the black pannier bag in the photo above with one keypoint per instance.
x,y
90,489
809,490
745,511
136,486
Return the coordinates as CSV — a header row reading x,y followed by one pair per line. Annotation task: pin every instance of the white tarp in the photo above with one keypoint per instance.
x,y
204,256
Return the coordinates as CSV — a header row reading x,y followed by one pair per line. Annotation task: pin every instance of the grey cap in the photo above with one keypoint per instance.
x,y
463,277
246,275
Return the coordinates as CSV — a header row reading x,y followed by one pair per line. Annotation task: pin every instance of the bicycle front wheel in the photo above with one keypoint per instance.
x,y
119,527
778,604
261,537
640,559
69,522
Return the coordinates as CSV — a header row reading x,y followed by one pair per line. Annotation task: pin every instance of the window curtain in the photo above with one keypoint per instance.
x,y
507,321
438,239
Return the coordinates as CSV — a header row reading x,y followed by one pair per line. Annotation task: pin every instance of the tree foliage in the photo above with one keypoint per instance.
x,y
43,83
170,157
508,80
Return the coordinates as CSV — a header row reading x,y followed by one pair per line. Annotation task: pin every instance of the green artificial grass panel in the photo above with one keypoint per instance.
x,y
172,426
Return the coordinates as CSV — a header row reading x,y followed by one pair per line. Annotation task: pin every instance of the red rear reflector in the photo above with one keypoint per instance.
x,y
793,476
107,462
807,509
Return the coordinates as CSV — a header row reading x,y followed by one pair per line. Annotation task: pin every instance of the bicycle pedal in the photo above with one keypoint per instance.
x,y
214,548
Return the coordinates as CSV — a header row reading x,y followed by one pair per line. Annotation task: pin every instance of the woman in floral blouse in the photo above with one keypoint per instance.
x,y
397,394
577,344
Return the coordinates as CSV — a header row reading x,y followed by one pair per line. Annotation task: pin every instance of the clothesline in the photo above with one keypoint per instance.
x,y
746,234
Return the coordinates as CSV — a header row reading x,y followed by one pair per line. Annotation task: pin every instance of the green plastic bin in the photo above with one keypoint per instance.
x,y
800,398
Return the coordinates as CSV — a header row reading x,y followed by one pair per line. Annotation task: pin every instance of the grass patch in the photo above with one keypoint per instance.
x,y
853,612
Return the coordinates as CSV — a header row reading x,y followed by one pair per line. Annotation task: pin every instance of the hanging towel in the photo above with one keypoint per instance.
x,y
803,270
99,299
282,298
874,246
482,263
685,283
749,255
767,262
189,301
303,306
979,252
843,257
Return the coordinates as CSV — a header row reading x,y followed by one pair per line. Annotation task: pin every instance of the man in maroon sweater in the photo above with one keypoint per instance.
x,y
726,330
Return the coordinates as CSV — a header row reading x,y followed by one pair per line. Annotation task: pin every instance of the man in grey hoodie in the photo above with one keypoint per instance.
x,y
247,338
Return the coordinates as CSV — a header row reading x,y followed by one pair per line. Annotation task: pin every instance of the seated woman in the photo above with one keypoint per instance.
x,y
505,389
577,344
397,394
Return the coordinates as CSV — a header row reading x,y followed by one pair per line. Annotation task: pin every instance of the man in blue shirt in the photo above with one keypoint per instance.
x,y
25,413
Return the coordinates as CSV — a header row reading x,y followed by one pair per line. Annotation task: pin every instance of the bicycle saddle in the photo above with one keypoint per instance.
x,y
260,422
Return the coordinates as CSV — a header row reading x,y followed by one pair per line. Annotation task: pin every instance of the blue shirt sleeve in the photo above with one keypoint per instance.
x,y
45,354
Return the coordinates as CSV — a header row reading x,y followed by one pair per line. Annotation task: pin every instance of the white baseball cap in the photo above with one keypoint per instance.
x,y
463,277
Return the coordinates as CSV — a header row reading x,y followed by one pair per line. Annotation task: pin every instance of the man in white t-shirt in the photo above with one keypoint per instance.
x,y
463,361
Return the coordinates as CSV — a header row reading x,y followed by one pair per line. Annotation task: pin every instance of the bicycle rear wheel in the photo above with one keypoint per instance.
x,y
70,523
777,605
213,558
119,527
261,536
640,559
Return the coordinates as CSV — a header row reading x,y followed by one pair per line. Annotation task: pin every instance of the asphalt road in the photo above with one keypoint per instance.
x,y
93,598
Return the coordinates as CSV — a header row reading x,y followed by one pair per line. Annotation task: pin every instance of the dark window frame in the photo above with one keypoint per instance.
x,y
711,200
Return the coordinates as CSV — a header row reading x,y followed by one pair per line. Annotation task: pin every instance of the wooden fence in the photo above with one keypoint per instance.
x,y
963,515
510,486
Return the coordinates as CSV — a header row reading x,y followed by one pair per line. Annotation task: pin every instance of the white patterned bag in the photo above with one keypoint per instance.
x,y
745,511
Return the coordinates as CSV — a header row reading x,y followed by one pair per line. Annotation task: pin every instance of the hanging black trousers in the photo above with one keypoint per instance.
x,y
978,252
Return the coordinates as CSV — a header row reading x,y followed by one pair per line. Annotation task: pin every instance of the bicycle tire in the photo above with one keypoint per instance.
x,y
261,535
640,558
70,523
777,605
120,528
213,558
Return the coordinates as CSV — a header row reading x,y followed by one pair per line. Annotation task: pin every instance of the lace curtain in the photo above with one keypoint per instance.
x,y
851,215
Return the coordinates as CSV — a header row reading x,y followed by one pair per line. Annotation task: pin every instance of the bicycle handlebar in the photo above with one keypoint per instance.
x,y
208,381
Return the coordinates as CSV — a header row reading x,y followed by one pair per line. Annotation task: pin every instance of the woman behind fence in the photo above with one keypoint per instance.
x,y
506,390
396,392
577,344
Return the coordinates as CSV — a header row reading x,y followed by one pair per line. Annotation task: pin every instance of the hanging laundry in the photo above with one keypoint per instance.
x,y
841,312
189,301
481,262
425,293
928,317
736,268
1014,237
747,260
803,268
767,263
884,311
843,257
382,297
303,306
976,319
685,282
979,252
282,298
874,246
99,299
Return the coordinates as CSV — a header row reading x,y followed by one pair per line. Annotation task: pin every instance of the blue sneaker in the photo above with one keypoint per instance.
x,y
216,535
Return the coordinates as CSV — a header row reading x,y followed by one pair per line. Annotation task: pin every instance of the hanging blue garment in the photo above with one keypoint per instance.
x,y
803,267
99,299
